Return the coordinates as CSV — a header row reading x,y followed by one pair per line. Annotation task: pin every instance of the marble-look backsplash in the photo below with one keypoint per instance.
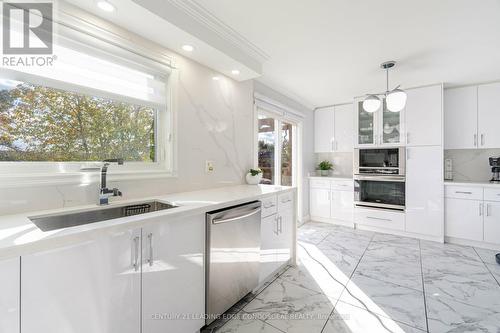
x,y
471,164
342,163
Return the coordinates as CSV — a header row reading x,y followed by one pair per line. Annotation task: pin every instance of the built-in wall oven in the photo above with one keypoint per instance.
x,y
380,161
379,178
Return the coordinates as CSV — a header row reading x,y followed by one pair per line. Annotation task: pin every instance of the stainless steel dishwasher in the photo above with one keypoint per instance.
x,y
232,256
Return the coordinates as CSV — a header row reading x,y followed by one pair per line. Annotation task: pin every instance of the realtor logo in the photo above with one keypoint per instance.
x,y
27,27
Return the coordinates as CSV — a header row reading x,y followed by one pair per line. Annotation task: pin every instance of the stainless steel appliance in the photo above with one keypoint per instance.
x,y
386,192
495,169
232,256
380,161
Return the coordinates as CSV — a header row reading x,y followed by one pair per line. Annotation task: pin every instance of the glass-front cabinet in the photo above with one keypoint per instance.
x,y
379,128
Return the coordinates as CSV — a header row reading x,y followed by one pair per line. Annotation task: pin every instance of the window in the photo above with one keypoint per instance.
x,y
40,123
97,101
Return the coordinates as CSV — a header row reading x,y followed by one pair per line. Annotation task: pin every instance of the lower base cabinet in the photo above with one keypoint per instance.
x,y
96,285
463,219
9,295
492,222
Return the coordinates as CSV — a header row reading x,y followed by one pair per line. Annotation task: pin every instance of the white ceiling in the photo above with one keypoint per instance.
x,y
328,51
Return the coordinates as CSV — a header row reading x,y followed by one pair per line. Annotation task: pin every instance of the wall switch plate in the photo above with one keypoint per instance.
x,y
209,166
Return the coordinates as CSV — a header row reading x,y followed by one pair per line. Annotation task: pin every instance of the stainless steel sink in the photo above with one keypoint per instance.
x,y
65,220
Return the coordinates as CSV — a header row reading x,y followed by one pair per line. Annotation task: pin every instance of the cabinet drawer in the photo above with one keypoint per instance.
x,y
343,185
320,183
492,194
285,201
464,192
379,218
269,206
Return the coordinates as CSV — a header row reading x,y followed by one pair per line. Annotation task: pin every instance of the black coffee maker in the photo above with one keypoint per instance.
x,y
495,169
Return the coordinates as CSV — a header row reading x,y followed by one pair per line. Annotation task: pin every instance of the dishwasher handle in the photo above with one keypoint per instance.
x,y
236,218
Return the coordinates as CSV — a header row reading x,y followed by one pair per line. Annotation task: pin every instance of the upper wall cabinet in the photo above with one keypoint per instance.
x,y
333,129
472,115
419,124
424,116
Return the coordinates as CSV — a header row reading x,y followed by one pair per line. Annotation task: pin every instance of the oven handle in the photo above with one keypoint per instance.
x,y
399,179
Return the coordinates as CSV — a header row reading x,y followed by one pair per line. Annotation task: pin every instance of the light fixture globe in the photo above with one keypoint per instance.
x,y
396,100
371,103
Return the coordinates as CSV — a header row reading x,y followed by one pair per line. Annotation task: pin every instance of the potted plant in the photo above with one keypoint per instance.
x,y
254,176
325,167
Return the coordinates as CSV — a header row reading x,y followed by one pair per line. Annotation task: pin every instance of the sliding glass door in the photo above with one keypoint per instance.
x,y
276,150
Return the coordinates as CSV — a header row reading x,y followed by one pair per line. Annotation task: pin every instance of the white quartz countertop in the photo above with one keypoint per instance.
x,y
332,177
472,183
19,236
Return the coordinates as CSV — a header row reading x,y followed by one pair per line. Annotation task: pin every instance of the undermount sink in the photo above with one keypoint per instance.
x,y
65,220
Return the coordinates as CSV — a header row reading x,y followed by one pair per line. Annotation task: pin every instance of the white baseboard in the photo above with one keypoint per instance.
x,y
468,242
438,239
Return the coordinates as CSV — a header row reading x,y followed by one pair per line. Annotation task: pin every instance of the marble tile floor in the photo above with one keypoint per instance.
x,y
354,281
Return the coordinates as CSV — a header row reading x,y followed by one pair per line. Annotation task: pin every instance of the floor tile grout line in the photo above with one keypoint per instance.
x,y
423,286
487,267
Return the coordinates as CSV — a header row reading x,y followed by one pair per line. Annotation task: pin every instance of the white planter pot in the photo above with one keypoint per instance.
x,y
253,180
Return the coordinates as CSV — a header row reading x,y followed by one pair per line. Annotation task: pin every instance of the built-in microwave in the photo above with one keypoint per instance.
x,y
387,192
380,161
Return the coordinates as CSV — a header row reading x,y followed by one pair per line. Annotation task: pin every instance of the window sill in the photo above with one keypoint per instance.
x,y
77,178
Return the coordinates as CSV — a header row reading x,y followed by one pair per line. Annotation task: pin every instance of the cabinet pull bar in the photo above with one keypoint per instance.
x,y
378,218
475,140
481,209
150,239
135,264
482,139
487,209
463,192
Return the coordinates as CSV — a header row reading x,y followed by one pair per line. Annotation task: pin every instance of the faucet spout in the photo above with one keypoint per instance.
x,y
104,192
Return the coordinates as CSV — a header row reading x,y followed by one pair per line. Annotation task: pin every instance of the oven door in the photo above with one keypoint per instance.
x,y
380,191
389,161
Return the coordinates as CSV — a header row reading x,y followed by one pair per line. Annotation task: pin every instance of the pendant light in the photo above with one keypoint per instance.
x,y
395,99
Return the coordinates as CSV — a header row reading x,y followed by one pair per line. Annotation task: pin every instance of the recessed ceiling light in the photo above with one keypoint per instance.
x,y
235,72
106,6
216,78
188,48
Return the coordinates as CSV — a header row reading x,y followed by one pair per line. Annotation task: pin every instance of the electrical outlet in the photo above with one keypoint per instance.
x,y
209,166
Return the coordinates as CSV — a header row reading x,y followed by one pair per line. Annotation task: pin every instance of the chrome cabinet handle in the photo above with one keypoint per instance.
x,y
378,218
463,192
407,138
487,209
135,264
482,139
269,206
150,240
277,227
475,140
481,209
280,224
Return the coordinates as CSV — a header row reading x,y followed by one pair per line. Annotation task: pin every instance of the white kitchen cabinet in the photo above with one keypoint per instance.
x,y
464,218
342,204
344,128
277,237
9,291
91,286
492,222
488,115
424,190
319,199
424,116
334,129
460,118
173,275
324,130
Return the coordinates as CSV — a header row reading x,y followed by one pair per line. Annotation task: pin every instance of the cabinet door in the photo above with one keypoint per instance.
x,y
92,286
391,126
489,115
323,130
344,128
268,246
424,116
460,118
464,219
492,222
342,205
319,199
9,291
173,275
424,190
365,125
285,231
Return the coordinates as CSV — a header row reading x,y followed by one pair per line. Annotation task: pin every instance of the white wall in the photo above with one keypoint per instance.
x,y
214,120
307,137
